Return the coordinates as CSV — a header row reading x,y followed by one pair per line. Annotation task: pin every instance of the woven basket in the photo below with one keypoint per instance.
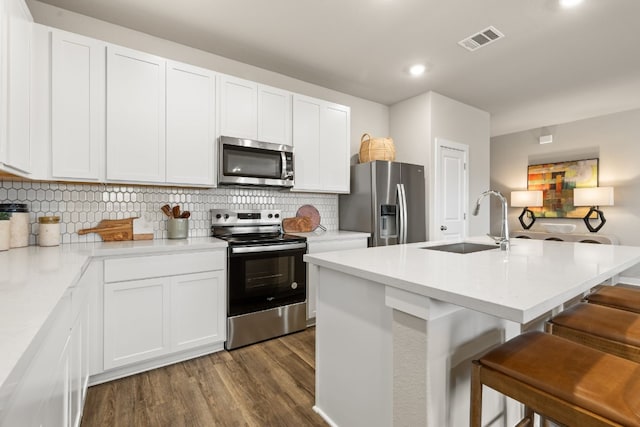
x,y
376,149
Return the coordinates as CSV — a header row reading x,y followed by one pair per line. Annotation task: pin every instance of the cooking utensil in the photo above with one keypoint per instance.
x,y
313,214
167,211
185,214
176,211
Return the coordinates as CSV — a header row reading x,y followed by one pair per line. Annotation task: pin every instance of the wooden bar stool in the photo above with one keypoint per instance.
x,y
604,328
561,380
624,297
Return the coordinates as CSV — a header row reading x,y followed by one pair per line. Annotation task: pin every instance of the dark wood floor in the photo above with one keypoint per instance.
x,y
266,384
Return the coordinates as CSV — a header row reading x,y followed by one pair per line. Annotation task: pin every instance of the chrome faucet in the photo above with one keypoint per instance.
x,y
504,238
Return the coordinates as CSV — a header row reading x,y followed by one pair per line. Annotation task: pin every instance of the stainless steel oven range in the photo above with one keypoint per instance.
x,y
266,276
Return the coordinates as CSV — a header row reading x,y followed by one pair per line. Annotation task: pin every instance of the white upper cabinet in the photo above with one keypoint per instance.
x,y
77,107
321,145
238,107
15,86
306,142
254,111
135,116
190,124
334,148
274,115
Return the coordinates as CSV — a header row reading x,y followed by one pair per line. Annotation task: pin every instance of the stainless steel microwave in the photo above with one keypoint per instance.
x,y
250,162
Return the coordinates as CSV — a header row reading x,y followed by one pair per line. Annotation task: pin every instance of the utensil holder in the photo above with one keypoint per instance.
x,y
177,228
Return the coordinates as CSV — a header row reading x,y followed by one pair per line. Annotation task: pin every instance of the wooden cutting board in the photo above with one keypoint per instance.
x,y
298,224
312,213
112,230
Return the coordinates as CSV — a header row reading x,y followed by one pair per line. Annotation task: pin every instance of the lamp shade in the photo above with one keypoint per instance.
x,y
593,196
525,199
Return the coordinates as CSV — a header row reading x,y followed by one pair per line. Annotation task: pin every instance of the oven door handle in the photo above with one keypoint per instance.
x,y
266,248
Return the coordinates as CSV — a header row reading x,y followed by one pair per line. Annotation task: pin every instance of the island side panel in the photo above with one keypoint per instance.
x,y
353,351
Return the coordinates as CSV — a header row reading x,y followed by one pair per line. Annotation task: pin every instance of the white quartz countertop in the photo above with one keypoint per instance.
x,y
146,247
34,279
320,235
519,285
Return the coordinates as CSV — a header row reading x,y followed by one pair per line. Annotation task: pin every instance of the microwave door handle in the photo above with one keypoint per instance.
x,y
283,162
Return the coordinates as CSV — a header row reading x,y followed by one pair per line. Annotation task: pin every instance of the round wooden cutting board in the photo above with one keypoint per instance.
x,y
311,212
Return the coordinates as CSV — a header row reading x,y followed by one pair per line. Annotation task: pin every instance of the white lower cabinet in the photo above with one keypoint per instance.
x,y
317,246
147,318
51,388
136,316
193,320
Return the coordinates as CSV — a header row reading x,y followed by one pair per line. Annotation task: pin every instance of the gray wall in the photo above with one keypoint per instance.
x,y
614,139
417,122
366,116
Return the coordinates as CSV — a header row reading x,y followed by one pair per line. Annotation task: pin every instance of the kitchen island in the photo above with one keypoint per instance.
x,y
397,325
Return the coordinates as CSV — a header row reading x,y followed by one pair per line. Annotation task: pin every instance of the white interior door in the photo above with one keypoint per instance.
x,y
451,189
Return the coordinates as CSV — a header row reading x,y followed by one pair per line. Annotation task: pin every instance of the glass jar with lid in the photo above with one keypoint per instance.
x,y
49,231
19,234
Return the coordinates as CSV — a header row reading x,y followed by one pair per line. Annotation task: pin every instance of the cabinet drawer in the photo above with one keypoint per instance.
x,y
120,269
336,245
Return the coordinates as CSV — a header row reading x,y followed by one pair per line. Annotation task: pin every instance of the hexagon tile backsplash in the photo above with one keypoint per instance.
x,y
85,205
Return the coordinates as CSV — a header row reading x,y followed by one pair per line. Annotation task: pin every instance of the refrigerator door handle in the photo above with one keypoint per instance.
x,y
400,212
402,205
405,229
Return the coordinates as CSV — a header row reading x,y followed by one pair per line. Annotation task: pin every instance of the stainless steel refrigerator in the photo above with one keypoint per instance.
x,y
387,199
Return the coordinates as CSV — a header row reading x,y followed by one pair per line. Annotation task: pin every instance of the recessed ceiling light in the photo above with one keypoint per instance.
x,y
417,70
569,3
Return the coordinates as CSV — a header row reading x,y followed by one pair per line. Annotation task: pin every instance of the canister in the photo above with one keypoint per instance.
x,y
49,231
177,228
19,234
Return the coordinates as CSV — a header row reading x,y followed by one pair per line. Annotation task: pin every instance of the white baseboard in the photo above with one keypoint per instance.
x,y
324,416
148,365
629,280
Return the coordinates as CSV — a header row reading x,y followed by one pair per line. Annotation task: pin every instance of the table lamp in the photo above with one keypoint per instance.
x,y
594,197
526,199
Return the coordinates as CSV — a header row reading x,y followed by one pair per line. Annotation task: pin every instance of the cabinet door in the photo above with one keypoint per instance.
x,y
334,148
77,107
198,313
274,115
56,407
136,321
238,107
135,116
315,247
16,149
190,124
306,142
40,397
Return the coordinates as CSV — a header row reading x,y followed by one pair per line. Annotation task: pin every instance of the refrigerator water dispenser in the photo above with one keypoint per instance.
x,y
388,221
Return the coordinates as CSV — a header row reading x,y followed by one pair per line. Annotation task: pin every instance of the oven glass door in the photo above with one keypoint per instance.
x,y
251,162
262,280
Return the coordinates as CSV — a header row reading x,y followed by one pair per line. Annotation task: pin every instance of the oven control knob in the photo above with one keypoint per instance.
x,y
294,285
270,215
277,215
218,216
226,216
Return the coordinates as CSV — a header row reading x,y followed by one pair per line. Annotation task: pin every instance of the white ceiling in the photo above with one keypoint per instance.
x,y
552,66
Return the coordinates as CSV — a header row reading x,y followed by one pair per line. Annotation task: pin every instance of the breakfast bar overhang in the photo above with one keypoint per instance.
x,y
397,325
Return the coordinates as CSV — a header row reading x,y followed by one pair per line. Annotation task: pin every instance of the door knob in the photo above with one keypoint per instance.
x,y
443,228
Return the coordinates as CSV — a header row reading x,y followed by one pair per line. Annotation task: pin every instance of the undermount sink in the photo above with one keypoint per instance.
x,y
462,247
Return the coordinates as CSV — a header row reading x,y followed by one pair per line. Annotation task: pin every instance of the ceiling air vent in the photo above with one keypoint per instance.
x,y
483,38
